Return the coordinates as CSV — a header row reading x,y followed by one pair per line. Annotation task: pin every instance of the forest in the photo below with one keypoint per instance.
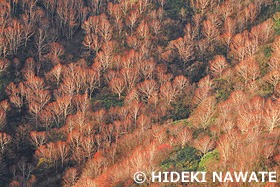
x,y
93,91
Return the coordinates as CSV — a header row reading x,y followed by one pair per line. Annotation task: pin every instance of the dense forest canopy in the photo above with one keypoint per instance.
x,y
92,91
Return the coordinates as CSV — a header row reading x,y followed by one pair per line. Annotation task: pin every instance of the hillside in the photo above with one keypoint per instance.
x,y
94,91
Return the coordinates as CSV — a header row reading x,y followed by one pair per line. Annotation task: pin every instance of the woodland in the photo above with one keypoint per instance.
x,y
92,91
